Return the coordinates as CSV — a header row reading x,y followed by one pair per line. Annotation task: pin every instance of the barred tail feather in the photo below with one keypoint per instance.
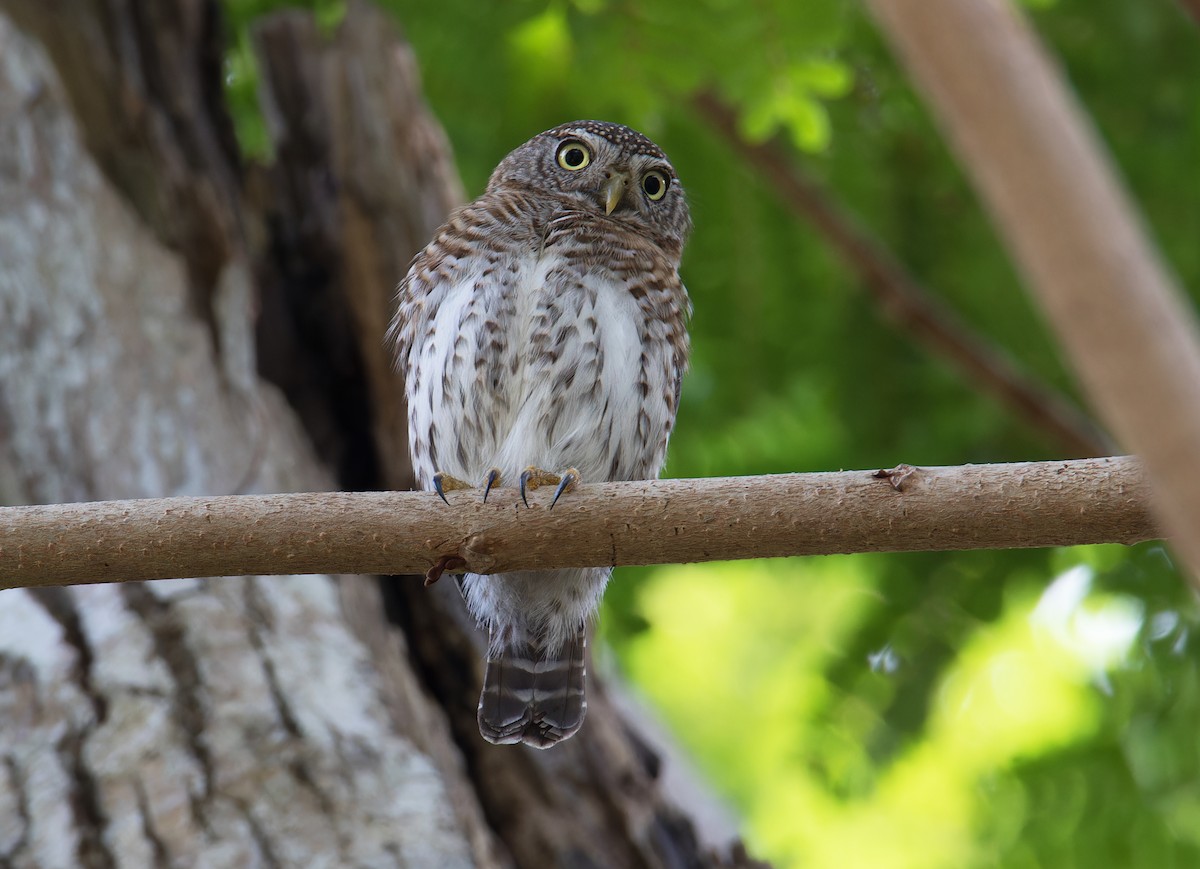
x,y
531,697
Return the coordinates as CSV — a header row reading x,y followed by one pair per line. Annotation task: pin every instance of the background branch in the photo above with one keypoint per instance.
x,y
669,521
1192,7
905,302
1125,326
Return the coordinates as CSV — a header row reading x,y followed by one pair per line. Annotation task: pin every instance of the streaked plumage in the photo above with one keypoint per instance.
x,y
538,329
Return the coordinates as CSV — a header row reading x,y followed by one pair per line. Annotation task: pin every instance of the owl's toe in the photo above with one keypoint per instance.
x,y
568,480
443,483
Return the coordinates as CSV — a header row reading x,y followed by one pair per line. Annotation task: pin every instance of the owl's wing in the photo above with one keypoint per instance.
x,y
430,276
680,343
405,322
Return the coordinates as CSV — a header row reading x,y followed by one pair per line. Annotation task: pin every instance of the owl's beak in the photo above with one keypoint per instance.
x,y
614,191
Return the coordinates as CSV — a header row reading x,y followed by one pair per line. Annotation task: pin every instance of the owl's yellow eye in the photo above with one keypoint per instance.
x,y
573,155
655,184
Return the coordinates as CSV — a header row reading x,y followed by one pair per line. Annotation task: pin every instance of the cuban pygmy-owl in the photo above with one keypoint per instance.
x,y
543,337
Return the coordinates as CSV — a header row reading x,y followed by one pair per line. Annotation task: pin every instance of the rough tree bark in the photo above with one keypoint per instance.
x,y
177,323
179,722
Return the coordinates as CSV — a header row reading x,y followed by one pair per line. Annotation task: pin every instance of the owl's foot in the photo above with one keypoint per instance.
x,y
533,478
443,483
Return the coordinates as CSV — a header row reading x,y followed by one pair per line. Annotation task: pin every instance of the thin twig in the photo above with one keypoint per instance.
x,y
905,301
659,522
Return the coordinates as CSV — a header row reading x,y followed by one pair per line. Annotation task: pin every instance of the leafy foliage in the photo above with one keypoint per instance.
x,y
1018,708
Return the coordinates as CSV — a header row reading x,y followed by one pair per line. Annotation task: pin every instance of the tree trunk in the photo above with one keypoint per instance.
x,y
177,323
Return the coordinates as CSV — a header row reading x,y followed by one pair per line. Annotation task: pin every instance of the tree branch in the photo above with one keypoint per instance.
x,y
1126,327
660,522
906,302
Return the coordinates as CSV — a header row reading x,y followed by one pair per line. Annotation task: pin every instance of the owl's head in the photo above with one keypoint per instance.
x,y
607,169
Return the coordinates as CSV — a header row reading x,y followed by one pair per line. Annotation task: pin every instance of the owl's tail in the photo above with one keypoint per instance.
x,y
532,697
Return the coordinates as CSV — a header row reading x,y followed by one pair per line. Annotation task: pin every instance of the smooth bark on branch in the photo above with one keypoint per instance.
x,y
669,521
1126,327
906,302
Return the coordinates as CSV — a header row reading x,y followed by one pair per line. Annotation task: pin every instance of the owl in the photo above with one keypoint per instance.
x,y
543,336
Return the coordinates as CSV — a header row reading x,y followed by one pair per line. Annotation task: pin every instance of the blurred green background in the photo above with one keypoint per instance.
x,y
1018,708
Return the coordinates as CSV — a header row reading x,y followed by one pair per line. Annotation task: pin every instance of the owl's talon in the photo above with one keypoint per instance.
x,y
443,483
567,482
493,480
